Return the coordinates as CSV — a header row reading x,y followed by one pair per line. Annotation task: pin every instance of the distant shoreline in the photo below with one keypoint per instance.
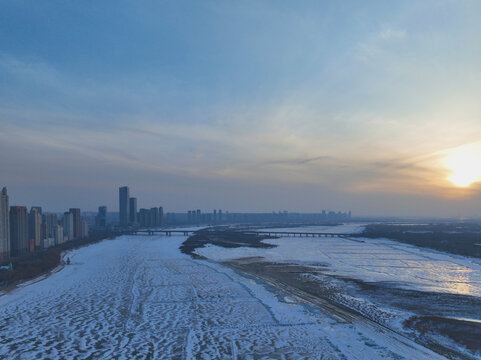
x,y
454,238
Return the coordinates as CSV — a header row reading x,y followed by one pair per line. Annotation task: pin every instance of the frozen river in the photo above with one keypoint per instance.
x,y
369,260
427,295
140,298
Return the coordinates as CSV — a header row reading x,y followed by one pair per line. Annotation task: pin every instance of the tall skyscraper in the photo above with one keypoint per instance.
x,y
84,229
154,216
68,229
133,210
4,227
58,234
101,218
161,215
18,230
77,225
51,220
144,217
124,195
35,227
44,234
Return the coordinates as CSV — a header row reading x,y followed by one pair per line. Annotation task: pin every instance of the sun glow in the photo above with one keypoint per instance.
x,y
465,167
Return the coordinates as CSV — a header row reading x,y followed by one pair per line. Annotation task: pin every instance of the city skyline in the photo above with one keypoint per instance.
x,y
251,106
26,233
123,194
113,205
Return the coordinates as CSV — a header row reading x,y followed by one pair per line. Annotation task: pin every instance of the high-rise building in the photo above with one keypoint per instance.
x,y
77,225
68,229
4,227
58,234
161,215
154,216
44,234
132,210
47,230
52,220
35,227
101,218
84,232
145,217
124,195
18,230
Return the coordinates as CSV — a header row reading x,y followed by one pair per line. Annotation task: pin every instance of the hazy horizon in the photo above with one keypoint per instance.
x,y
254,106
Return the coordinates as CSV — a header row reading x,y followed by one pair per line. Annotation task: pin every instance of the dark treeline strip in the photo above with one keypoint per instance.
x,y
32,265
224,238
459,239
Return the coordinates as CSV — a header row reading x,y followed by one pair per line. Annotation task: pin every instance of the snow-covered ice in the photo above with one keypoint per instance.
x,y
138,297
369,260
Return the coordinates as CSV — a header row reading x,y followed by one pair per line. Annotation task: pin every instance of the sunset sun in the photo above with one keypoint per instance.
x,y
465,167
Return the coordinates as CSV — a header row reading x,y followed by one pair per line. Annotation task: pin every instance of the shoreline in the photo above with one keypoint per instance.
x,y
23,283
288,278
40,260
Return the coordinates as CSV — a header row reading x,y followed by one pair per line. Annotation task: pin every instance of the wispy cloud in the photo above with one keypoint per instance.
x,y
392,34
312,98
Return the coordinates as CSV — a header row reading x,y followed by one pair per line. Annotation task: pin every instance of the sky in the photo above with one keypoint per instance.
x,y
369,106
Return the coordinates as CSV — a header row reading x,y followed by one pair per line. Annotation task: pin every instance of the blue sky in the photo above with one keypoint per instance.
x,y
248,105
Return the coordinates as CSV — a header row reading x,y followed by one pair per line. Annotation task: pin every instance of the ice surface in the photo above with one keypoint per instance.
x,y
370,260
138,297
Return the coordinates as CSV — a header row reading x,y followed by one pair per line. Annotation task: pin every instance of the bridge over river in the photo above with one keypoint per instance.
x,y
252,232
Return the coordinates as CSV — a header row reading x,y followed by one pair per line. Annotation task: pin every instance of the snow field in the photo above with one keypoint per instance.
x,y
370,260
139,298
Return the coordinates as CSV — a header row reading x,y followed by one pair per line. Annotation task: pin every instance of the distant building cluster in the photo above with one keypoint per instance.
x,y
23,232
198,217
131,216
217,217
